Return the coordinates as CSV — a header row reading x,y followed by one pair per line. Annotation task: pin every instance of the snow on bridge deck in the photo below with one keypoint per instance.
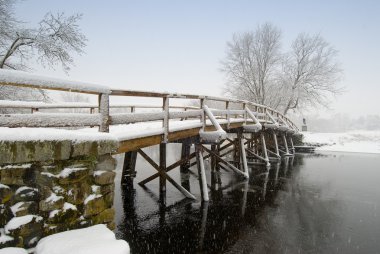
x,y
129,136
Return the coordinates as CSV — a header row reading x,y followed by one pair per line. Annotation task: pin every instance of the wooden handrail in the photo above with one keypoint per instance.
x,y
10,78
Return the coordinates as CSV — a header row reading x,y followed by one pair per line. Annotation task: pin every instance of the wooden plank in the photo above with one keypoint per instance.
x,y
39,86
173,136
116,92
134,144
49,120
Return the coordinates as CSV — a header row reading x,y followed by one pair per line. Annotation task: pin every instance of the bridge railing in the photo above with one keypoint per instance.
x,y
99,113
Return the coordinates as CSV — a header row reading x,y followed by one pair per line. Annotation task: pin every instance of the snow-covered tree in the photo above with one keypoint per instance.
x,y
52,43
252,63
257,69
310,72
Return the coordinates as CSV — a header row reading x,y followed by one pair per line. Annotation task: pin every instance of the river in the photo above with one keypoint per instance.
x,y
312,203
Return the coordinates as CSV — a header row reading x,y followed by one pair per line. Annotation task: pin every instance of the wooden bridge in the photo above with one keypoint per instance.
x,y
216,127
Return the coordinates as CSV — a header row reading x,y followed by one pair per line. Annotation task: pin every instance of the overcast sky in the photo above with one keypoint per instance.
x,y
177,46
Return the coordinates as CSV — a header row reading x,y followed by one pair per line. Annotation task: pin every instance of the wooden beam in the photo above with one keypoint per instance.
x,y
201,173
148,159
225,162
161,169
129,165
171,167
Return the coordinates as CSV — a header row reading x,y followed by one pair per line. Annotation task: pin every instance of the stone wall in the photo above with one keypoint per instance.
x,y
54,186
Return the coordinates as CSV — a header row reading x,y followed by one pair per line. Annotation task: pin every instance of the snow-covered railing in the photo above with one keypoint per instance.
x,y
100,115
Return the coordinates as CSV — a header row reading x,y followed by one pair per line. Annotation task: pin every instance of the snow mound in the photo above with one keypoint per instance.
x,y
352,141
13,250
17,222
97,239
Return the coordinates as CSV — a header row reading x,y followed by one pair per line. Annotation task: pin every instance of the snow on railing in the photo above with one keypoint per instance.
x,y
100,115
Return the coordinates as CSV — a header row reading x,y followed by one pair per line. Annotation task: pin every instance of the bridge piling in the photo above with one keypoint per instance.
x,y
129,167
201,172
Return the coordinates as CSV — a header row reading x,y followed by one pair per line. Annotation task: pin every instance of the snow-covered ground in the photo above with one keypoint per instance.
x,y
96,239
352,141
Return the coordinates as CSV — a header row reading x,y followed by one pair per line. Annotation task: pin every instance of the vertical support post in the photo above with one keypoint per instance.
x,y
162,172
264,148
276,144
104,111
129,166
185,153
292,146
285,144
165,123
213,158
203,116
228,114
217,151
237,151
245,113
185,109
243,157
201,173
184,167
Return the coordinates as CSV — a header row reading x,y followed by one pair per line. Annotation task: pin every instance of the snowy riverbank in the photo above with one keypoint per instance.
x,y
352,141
96,239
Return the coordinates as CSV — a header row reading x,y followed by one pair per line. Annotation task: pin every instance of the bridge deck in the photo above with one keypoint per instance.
x,y
135,139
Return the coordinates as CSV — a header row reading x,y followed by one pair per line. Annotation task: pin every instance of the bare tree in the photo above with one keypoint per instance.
x,y
310,72
251,63
258,71
50,44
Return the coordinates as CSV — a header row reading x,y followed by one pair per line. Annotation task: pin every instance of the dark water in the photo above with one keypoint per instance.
x,y
321,203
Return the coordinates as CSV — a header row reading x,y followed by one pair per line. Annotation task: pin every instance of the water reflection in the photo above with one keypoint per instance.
x,y
299,205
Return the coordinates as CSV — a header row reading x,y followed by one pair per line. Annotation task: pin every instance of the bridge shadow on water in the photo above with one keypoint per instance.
x,y
186,226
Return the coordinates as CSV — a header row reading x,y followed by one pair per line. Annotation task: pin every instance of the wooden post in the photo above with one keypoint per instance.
x,y
203,115
285,144
213,158
104,111
245,112
185,153
228,114
292,146
237,152
276,144
162,172
243,156
165,124
264,148
201,173
129,166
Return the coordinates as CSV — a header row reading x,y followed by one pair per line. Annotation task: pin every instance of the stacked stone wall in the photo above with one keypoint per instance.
x,y
50,187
